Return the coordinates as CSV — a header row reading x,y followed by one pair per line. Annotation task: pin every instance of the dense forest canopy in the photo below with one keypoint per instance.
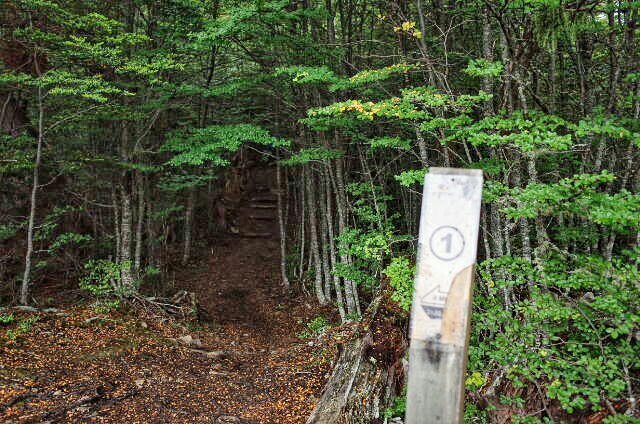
x,y
125,126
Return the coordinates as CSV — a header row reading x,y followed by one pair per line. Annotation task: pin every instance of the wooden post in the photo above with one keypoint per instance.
x,y
441,307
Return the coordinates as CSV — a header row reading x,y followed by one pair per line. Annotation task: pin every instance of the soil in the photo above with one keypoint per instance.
x,y
246,362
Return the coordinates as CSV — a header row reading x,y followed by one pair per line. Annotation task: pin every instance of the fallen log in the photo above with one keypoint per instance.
x,y
369,372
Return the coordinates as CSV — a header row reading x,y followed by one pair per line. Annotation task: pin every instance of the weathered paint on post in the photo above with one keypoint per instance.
x,y
440,316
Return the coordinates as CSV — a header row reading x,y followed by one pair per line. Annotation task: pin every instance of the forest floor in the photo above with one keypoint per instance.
x,y
245,361
249,366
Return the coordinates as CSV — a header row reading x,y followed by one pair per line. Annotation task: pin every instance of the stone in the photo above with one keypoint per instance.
x,y
25,308
190,341
225,419
215,354
92,319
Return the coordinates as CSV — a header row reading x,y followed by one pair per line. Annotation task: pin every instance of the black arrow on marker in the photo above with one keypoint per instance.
x,y
433,308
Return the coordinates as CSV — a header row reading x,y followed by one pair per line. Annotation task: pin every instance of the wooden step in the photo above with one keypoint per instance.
x,y
256,235
262,206
262,218
265,198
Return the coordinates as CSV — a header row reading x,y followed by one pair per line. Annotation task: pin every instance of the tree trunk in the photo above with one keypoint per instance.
x,y
525,230
350,289
126,231
26,278
303,208
422,146
369,370
324,233
487,51
187,226
332,245
141,207
313,237
116,223
283,232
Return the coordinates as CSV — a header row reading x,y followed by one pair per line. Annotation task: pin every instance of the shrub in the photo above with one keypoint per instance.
x,y
315,327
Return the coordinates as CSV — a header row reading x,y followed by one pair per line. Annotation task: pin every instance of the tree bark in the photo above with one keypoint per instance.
x,y
332,246
369,371
139,224
282,228
188,216
350,288
487,51
126,231
313,237
324,233
26,277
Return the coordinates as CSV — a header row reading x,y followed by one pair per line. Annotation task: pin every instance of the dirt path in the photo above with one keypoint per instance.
x,y
250,366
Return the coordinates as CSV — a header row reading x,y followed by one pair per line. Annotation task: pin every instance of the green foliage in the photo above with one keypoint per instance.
x,y
6,319
389,143
474,415
7,231
23,327
411,177
575,330
67,239
620,419
369,243
398,407
308,74
209,145
16,153
64,83
51,222
315,154
105,306
484,68
178,182
535,132
315,327
103,277
401,275
370,76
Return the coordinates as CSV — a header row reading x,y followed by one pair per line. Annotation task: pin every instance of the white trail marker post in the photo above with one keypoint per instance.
x,y
441,308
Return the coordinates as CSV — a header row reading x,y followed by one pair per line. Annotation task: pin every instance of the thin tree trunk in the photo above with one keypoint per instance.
x,y
313,237
126,233
614,73
487,51
139,224
303,207
283,232
332,246
422,146
350,289
324,233
151,251
542,238
116,223
187,225
525,230
506,60
26,278
485,232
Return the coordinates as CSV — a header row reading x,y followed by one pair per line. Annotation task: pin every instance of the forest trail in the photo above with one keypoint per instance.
x,y
256,324
243,362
